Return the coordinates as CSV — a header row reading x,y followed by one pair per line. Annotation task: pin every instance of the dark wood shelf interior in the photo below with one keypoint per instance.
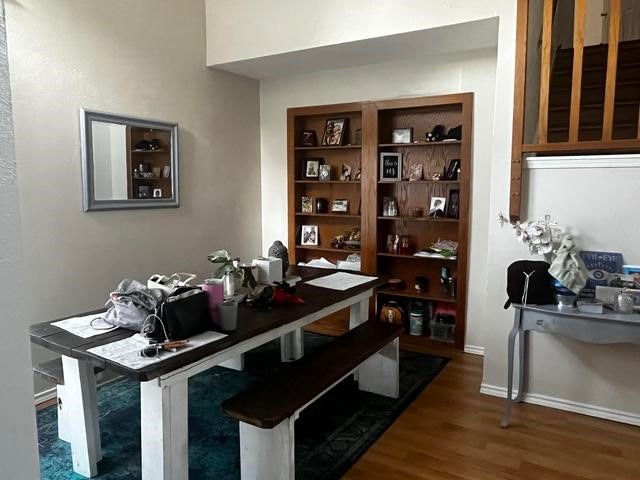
x,y
420,144
405,293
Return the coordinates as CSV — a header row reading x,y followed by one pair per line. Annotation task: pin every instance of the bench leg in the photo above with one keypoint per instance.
x,y
65,419
235,363
292,346
267,454
81,402
381,373
358,313
163,413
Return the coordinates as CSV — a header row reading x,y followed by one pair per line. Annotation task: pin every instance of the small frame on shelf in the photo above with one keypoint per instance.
x,y
453,206
312,167
390,167
436,208
307,205
309,235
402,135
334,132
143,191
309,138
340,206
325,173
415,172
345,172
157,193
451,173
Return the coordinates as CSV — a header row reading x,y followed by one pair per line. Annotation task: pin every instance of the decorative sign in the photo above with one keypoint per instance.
x,y
390,167
601,266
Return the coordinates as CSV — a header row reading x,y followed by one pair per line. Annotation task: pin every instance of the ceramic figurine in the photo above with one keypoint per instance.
x,y
278,250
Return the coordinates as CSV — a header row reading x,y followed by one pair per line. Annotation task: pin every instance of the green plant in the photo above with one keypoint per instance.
x,y
229,265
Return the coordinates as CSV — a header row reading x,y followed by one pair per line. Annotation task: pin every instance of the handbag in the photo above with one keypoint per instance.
x,y
530,277
130,304
183,314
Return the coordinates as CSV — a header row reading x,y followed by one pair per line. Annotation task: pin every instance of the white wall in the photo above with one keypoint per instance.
x,y
144,58
18,452
467,72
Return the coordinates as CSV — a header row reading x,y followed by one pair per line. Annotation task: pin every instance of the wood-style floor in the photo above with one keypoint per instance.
x,y
452,432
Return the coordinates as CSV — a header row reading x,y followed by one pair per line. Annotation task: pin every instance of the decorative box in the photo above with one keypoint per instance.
x,y
269,270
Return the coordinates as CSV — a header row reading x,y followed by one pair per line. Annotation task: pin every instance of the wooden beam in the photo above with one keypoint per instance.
x,y
515,198
576,80
612,67
545,71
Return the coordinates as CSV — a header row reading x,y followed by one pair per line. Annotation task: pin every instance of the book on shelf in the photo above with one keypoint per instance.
x,y
434,255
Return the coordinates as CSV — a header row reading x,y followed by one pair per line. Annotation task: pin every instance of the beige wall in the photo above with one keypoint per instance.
x,y
143,58
468,72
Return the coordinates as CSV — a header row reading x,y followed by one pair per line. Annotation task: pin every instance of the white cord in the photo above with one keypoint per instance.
x,y
147,327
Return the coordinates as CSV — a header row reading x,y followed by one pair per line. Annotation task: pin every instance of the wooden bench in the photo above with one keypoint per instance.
x,y
268,409
52,372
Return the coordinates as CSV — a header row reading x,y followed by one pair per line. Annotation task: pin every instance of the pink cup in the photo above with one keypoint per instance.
x,y
215,294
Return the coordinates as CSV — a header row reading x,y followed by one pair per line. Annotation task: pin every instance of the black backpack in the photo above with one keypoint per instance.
x,y
540,290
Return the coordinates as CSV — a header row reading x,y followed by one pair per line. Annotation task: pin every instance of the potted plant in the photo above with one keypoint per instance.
x,y
231,269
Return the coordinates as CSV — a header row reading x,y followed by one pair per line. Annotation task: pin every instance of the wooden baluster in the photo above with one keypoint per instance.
x,y
612,66
576,80
545,69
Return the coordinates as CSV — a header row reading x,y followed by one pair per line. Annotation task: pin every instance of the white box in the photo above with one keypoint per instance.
x,y
269,270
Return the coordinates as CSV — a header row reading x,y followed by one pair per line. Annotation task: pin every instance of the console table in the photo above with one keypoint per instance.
x,y
586,327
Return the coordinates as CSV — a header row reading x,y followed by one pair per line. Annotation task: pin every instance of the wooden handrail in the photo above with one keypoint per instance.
x,y
612,66
576,79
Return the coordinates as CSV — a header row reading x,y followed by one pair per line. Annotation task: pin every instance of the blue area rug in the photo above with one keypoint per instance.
x,y
331,434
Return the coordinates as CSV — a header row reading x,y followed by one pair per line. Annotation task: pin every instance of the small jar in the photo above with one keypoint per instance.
x,y
321,205
416,320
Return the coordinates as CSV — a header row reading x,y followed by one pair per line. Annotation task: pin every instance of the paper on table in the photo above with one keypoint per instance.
x,y
340,281
125,352
81,326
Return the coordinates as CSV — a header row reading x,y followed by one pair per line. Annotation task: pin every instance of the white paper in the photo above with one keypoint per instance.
x,y
126,351
340,281
318,263
81,326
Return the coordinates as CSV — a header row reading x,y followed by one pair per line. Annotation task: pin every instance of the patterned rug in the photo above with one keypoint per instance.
x,y
330,435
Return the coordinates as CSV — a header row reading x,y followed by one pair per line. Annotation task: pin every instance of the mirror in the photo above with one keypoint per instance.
x,y
128,162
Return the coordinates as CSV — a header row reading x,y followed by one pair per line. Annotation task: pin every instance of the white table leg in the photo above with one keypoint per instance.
x,y
292,346
381,373
163,412
267,454
358,313
81,401
235,363
65,416
522,365
510,350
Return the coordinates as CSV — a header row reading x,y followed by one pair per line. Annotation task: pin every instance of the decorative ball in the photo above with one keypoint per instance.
x,y
278,250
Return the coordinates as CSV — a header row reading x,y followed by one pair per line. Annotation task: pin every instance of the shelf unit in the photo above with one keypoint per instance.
x,y
376,121
153,159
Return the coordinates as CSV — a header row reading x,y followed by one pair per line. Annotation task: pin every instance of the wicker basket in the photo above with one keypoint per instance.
x,y
442,331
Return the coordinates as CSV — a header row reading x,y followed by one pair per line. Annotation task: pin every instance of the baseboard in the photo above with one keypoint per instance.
x,y
567,405
474,350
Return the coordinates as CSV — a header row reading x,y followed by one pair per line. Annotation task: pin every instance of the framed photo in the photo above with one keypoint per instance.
x,y
453,206
390,167
345,172
357,137
358,175
157,193
307,205
143,191
436,208
451,173
309,235
312,167
340,206
309,138
415,172
325,173
334,131
157,172
402,135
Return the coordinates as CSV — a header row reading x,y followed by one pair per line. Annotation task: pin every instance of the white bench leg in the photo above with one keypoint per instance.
x,y
80,400
65,419
267,454
235,363
163,413
381,373
358,313
292,346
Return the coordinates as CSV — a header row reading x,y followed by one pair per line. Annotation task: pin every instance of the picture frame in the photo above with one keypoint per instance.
x,y
143,191
415,172
312,167
390,167
157,193
451,173
340,206
358,176
309,235
334,132
324,174
437,207
309,138
402,135
157,172
345,172
453,204
307,205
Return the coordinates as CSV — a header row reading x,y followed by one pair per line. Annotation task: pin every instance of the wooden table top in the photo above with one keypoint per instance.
x,y
250,324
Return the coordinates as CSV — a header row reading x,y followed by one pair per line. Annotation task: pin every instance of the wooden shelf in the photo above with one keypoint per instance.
x,y
357,182
419,144
409,182
149,151
412,294
414,257
328,147
328,215
325,249
421,219
150,179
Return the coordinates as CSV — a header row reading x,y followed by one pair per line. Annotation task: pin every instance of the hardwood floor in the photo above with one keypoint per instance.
x,y
452,432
